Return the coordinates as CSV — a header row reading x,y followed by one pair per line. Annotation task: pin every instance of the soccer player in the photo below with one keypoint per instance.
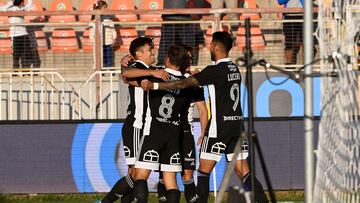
x,y
223,81
160,148
142,50
187,142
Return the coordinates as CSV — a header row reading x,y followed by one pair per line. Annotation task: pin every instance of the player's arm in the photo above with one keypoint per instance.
x,y
203,117
178,84
28,5
136,72
6,6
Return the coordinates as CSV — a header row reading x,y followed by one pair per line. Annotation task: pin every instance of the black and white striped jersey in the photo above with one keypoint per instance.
x,y
223,81
166,106
137,98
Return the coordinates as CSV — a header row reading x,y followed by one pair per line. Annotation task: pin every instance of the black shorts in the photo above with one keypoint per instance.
x,y
160,149
131,139
293,31
188,150
213,148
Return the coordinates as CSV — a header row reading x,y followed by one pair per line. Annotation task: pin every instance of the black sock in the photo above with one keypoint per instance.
x,y
259,191
128,198
202,189
141,191
161,190
122,187
189,190
173,196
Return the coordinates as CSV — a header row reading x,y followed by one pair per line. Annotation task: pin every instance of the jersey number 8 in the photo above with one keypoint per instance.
x,y
167,102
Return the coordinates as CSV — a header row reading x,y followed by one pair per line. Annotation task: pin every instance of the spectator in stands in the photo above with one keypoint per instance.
x,y
227,4
293,31
187,34
109,34
23,55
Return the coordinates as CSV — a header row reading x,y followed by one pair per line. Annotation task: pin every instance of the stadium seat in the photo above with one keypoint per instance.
x,y
3,19
249,4
86,42
85,6
124,5
61,5
127,34
153,5
37,6
64,40
257,38
5,42
155,34
41,42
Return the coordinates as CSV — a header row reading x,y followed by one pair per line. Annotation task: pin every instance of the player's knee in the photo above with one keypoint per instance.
x,y
173,196
187,175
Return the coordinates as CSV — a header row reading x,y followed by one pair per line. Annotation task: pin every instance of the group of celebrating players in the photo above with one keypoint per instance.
x,y
157,133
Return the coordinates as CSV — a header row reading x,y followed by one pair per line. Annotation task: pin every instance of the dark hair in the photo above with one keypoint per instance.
x,y
139,43
97,6
224,38
179,57
18,2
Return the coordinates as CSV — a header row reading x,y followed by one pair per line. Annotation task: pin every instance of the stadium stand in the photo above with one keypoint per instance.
x,y
124,5
37,6
257,37
3,19
249,4
86,42
84,6
152,4
61,5
5,42
64,40
41,43
127,34
155,34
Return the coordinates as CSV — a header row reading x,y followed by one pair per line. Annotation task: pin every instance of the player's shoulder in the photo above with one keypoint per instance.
x,y
137,64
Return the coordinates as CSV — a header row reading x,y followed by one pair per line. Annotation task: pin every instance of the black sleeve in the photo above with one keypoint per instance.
x,y
207,76
198,94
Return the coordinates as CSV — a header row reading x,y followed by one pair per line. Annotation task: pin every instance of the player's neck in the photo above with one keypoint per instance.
x,y
221,56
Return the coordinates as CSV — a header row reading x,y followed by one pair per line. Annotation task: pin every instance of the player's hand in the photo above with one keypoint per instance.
x,y
125,60
162,74
196,71
147,85
200,139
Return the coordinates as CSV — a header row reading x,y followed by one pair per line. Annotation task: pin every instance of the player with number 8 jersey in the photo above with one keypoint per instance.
x,y
224,128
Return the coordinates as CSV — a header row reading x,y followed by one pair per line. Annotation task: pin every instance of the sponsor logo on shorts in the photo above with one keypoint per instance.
x,y
189,154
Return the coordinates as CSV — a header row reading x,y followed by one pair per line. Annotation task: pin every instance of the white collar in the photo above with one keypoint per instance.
x,y
143,63
174,72
222,60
